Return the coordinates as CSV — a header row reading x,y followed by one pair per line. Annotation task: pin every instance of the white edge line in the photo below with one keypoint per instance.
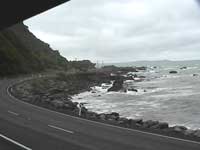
x,y
133,130
11,112
14,142
58,128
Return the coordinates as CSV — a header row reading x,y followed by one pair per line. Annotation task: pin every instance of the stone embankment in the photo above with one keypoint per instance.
x,y
55,94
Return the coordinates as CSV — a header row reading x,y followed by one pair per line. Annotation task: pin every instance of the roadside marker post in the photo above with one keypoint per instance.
x,y
80,105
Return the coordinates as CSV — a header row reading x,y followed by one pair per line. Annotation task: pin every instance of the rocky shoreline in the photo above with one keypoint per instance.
x,y
55,93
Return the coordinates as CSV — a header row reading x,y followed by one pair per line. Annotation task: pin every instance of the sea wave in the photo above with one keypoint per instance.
x,y
173,98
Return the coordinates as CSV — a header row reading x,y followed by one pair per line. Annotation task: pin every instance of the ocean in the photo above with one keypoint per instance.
x,y
172,98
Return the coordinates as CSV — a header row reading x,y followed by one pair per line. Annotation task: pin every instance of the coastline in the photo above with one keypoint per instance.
x,y
98,102
113,118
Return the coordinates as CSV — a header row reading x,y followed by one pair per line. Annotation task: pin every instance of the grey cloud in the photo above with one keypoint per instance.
x,y
122,30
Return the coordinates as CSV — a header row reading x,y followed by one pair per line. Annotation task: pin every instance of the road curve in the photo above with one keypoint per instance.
x,y
40,129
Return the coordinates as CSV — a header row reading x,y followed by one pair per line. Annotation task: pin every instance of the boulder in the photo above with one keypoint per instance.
x,y
57,103
102,116
173,72
132,89
194,75
137,79
84,110
183,68
75,103
112,116
117,85
181,129
150,123
135,122
161,125
197,133
48,100
123,121
142,77
141,68
189,132
90,115
67,106
70,104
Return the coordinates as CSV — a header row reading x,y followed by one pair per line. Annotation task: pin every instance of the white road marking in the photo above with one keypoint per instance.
x,y
14,142
58,128
95,122
11,112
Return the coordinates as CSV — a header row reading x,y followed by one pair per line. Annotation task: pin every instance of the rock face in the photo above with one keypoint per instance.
x,y
173,72
117,85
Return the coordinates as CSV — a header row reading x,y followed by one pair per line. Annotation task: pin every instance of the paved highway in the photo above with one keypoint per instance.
x,y
24,126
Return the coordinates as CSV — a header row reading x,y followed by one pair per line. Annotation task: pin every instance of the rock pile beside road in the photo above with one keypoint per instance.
x,y
55,94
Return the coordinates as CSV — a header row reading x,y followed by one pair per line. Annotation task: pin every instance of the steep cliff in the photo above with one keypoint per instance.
x,y
22,52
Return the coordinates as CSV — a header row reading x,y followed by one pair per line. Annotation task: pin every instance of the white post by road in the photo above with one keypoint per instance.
x,y
79,107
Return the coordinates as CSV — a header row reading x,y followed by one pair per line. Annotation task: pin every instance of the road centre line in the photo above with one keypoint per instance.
x,y
11,112
58,128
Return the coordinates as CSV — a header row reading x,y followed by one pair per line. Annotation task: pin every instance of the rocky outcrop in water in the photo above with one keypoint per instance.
x,y
173,72
183,68
117,85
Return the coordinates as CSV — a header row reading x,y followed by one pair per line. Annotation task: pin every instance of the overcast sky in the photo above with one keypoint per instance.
x,y
122,30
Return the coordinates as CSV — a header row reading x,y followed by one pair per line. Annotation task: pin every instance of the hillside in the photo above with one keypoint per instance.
x,y
21,52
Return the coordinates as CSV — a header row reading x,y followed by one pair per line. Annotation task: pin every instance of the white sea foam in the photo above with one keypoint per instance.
x,y
173,98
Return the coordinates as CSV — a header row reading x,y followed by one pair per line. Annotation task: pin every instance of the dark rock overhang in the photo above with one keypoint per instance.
x,y
14,11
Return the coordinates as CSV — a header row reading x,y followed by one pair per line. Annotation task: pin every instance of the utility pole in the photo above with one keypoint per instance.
x,y
102,63
97,65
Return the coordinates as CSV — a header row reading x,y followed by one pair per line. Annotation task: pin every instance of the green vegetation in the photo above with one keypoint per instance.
x,y
82,79
22,53
83,66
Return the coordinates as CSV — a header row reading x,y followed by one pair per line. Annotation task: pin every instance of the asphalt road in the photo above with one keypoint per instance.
x,y
30,127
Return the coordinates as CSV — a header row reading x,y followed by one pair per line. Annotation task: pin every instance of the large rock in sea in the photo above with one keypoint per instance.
x,y
117,85
173,72
183,68
194,75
